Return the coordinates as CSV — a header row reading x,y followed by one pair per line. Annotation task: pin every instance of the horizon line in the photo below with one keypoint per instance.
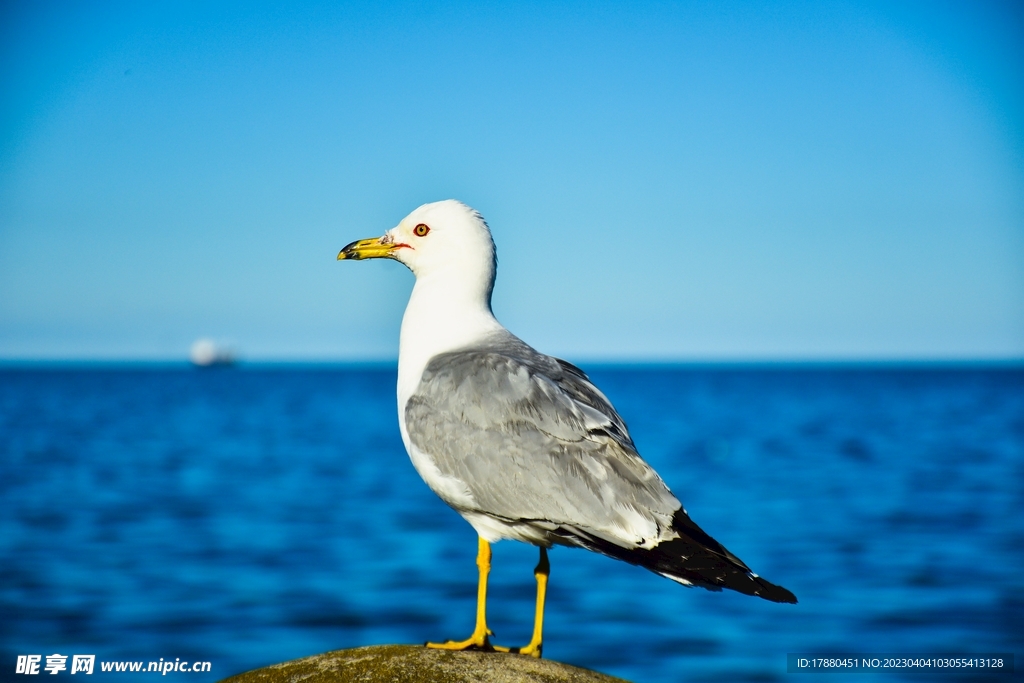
x,y
767,361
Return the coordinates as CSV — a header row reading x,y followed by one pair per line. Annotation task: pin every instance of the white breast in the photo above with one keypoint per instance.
x,y
436,322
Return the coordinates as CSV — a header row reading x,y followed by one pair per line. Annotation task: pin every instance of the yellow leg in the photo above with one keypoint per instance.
x,y
533,648
479,640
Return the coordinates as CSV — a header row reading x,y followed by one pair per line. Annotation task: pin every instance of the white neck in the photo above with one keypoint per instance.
x,y
443,314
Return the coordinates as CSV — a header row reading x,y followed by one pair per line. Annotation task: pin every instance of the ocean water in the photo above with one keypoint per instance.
x,y
253,515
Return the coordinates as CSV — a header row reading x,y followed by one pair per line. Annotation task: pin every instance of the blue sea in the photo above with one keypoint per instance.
x,y
252,515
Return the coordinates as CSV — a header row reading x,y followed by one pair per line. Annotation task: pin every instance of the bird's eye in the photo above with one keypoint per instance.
x,y
421,230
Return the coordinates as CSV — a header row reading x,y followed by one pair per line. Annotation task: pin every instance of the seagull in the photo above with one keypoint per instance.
x,y
521,444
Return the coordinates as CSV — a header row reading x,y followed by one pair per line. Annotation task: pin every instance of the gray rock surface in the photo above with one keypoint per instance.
x,y
410,664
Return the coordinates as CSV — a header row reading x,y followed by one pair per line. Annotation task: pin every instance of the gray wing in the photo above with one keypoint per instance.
x,y
534,441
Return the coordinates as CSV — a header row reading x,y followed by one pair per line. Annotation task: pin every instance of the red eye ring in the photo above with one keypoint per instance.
x,y
421,230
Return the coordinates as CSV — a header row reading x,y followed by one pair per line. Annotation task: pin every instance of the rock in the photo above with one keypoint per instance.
x,y
409,664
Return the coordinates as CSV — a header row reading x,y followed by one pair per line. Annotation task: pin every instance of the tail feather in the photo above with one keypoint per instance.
x,y
694,559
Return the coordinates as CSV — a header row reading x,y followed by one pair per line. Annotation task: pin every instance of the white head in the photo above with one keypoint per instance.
x,y
448,246
446,243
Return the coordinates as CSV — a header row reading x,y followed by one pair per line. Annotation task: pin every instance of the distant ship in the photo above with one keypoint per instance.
x,y
206,353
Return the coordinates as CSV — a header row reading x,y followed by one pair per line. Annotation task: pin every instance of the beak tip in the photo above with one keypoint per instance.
x,y
364,249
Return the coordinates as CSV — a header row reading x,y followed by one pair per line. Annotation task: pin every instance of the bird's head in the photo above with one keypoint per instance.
x,y
443,238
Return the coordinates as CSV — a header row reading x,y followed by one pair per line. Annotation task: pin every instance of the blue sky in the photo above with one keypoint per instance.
x,y
665,181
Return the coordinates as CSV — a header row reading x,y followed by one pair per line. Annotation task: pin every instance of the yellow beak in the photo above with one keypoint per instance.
x,y
374,247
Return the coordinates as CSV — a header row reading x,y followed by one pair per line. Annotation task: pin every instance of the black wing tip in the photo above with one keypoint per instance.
x,y
733,578
769,591
691,563
738,576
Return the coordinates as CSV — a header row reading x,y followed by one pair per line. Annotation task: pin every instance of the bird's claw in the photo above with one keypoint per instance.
x,y
474,643
484,645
